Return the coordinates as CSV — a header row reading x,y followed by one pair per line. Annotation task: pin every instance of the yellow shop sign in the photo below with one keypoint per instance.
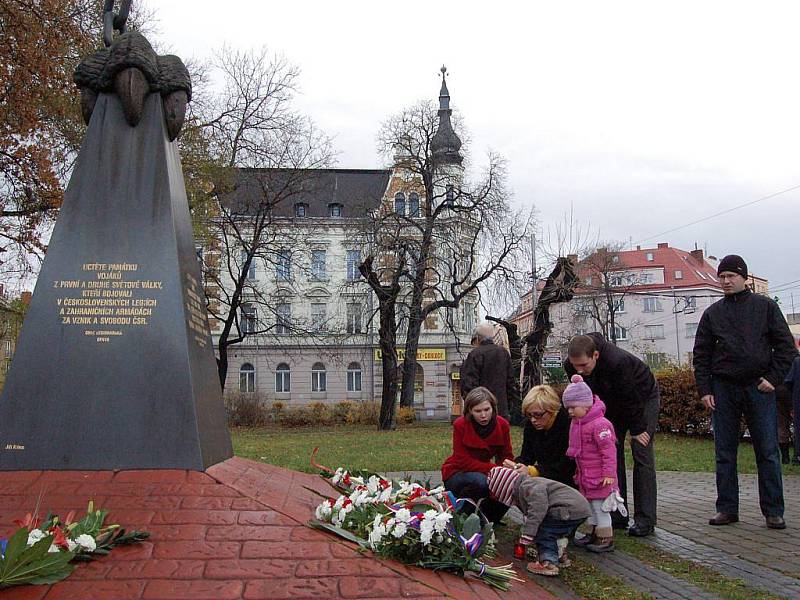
x,y
422,354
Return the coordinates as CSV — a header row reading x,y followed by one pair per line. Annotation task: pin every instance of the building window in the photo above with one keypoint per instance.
x,y
283,378
400,203
353,260
335,210
649,256
413,204
678,274
319,381
615,259
354,377
654,332
616,280
248,318
251,270
283,318
247,378
450,194
8,348
469,318
690,304
354,317
656,360
620,333
691,329
619,305
300,209
318,315
283,265
652,305
318,264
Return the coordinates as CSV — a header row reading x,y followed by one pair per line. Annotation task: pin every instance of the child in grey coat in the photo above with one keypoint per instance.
x,y
551,511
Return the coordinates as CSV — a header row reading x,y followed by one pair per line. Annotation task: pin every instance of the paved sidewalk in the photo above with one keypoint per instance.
x,y
764,558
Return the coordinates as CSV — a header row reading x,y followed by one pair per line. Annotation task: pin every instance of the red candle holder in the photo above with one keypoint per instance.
x,y
519,551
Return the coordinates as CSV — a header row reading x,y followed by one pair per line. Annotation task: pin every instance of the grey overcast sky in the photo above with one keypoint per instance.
x,y
642,116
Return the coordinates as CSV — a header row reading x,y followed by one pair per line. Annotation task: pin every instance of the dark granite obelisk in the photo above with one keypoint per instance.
x,y
114,367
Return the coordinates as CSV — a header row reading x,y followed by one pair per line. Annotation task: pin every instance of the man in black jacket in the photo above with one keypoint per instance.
x,y
743,349
630,392
488,365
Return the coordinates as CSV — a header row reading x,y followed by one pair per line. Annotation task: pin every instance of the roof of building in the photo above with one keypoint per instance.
x,y
682,269
356,190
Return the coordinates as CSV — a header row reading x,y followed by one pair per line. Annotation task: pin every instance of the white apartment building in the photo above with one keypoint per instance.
x,y
321,344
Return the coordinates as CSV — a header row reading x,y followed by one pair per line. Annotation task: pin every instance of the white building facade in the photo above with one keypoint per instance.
x,y
317,314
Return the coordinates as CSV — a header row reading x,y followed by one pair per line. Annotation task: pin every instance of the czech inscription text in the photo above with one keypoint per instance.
x,y
106,299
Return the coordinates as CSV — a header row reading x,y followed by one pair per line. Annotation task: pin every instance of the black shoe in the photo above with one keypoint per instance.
x,y
785,454
638,530
776,523
722,518
619,524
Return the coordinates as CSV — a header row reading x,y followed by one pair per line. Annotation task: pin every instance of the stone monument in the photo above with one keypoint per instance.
x,y
114,367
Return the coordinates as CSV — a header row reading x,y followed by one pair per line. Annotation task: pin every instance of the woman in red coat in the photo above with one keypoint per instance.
x,y
481,440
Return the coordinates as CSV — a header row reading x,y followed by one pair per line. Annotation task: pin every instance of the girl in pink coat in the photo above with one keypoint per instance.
x,y
593,445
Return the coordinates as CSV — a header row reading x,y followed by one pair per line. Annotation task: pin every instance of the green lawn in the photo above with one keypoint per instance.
x,y
423,447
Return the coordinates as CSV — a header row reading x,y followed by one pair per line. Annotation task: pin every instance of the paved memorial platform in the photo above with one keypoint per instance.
x,y
235,531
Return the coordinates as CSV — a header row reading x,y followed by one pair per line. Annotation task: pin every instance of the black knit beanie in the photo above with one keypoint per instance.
x,y
734,264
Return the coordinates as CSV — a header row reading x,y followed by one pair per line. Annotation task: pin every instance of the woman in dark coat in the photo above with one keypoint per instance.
x,y
546,437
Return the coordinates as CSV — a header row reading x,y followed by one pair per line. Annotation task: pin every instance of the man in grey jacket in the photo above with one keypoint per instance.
x,y
743,349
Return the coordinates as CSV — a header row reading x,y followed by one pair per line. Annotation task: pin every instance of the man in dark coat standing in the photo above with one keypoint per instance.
x,y
488,365
742,350
630,392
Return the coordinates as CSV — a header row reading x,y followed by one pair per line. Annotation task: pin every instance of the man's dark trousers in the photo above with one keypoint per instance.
x,y
731,401
644,469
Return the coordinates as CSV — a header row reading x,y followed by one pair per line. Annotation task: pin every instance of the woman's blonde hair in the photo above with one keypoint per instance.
x,y
542,397
477,396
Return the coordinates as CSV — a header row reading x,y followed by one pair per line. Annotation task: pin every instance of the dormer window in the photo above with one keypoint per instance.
x,y
300,209
335,210
678,274
400,203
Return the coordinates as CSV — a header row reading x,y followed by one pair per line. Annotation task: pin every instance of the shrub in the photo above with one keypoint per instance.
x,y
405,415
320,413
299,416
343,412
246,410
367,413
681,409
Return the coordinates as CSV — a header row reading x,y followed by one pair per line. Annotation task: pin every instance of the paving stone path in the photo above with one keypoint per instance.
x,y
765,559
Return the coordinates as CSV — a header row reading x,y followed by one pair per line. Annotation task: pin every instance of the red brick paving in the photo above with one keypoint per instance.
x,y
236,531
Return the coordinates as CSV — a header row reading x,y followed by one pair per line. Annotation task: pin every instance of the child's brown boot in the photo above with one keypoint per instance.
x,y
604,540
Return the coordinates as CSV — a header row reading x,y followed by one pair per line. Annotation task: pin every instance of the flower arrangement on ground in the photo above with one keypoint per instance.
x,y
407,522
42,551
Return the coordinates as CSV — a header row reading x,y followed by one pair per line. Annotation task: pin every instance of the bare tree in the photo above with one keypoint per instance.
x,y
605,283
454,235
250,154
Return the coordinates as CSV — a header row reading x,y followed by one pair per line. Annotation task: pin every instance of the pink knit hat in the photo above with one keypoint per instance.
x,y
577,393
